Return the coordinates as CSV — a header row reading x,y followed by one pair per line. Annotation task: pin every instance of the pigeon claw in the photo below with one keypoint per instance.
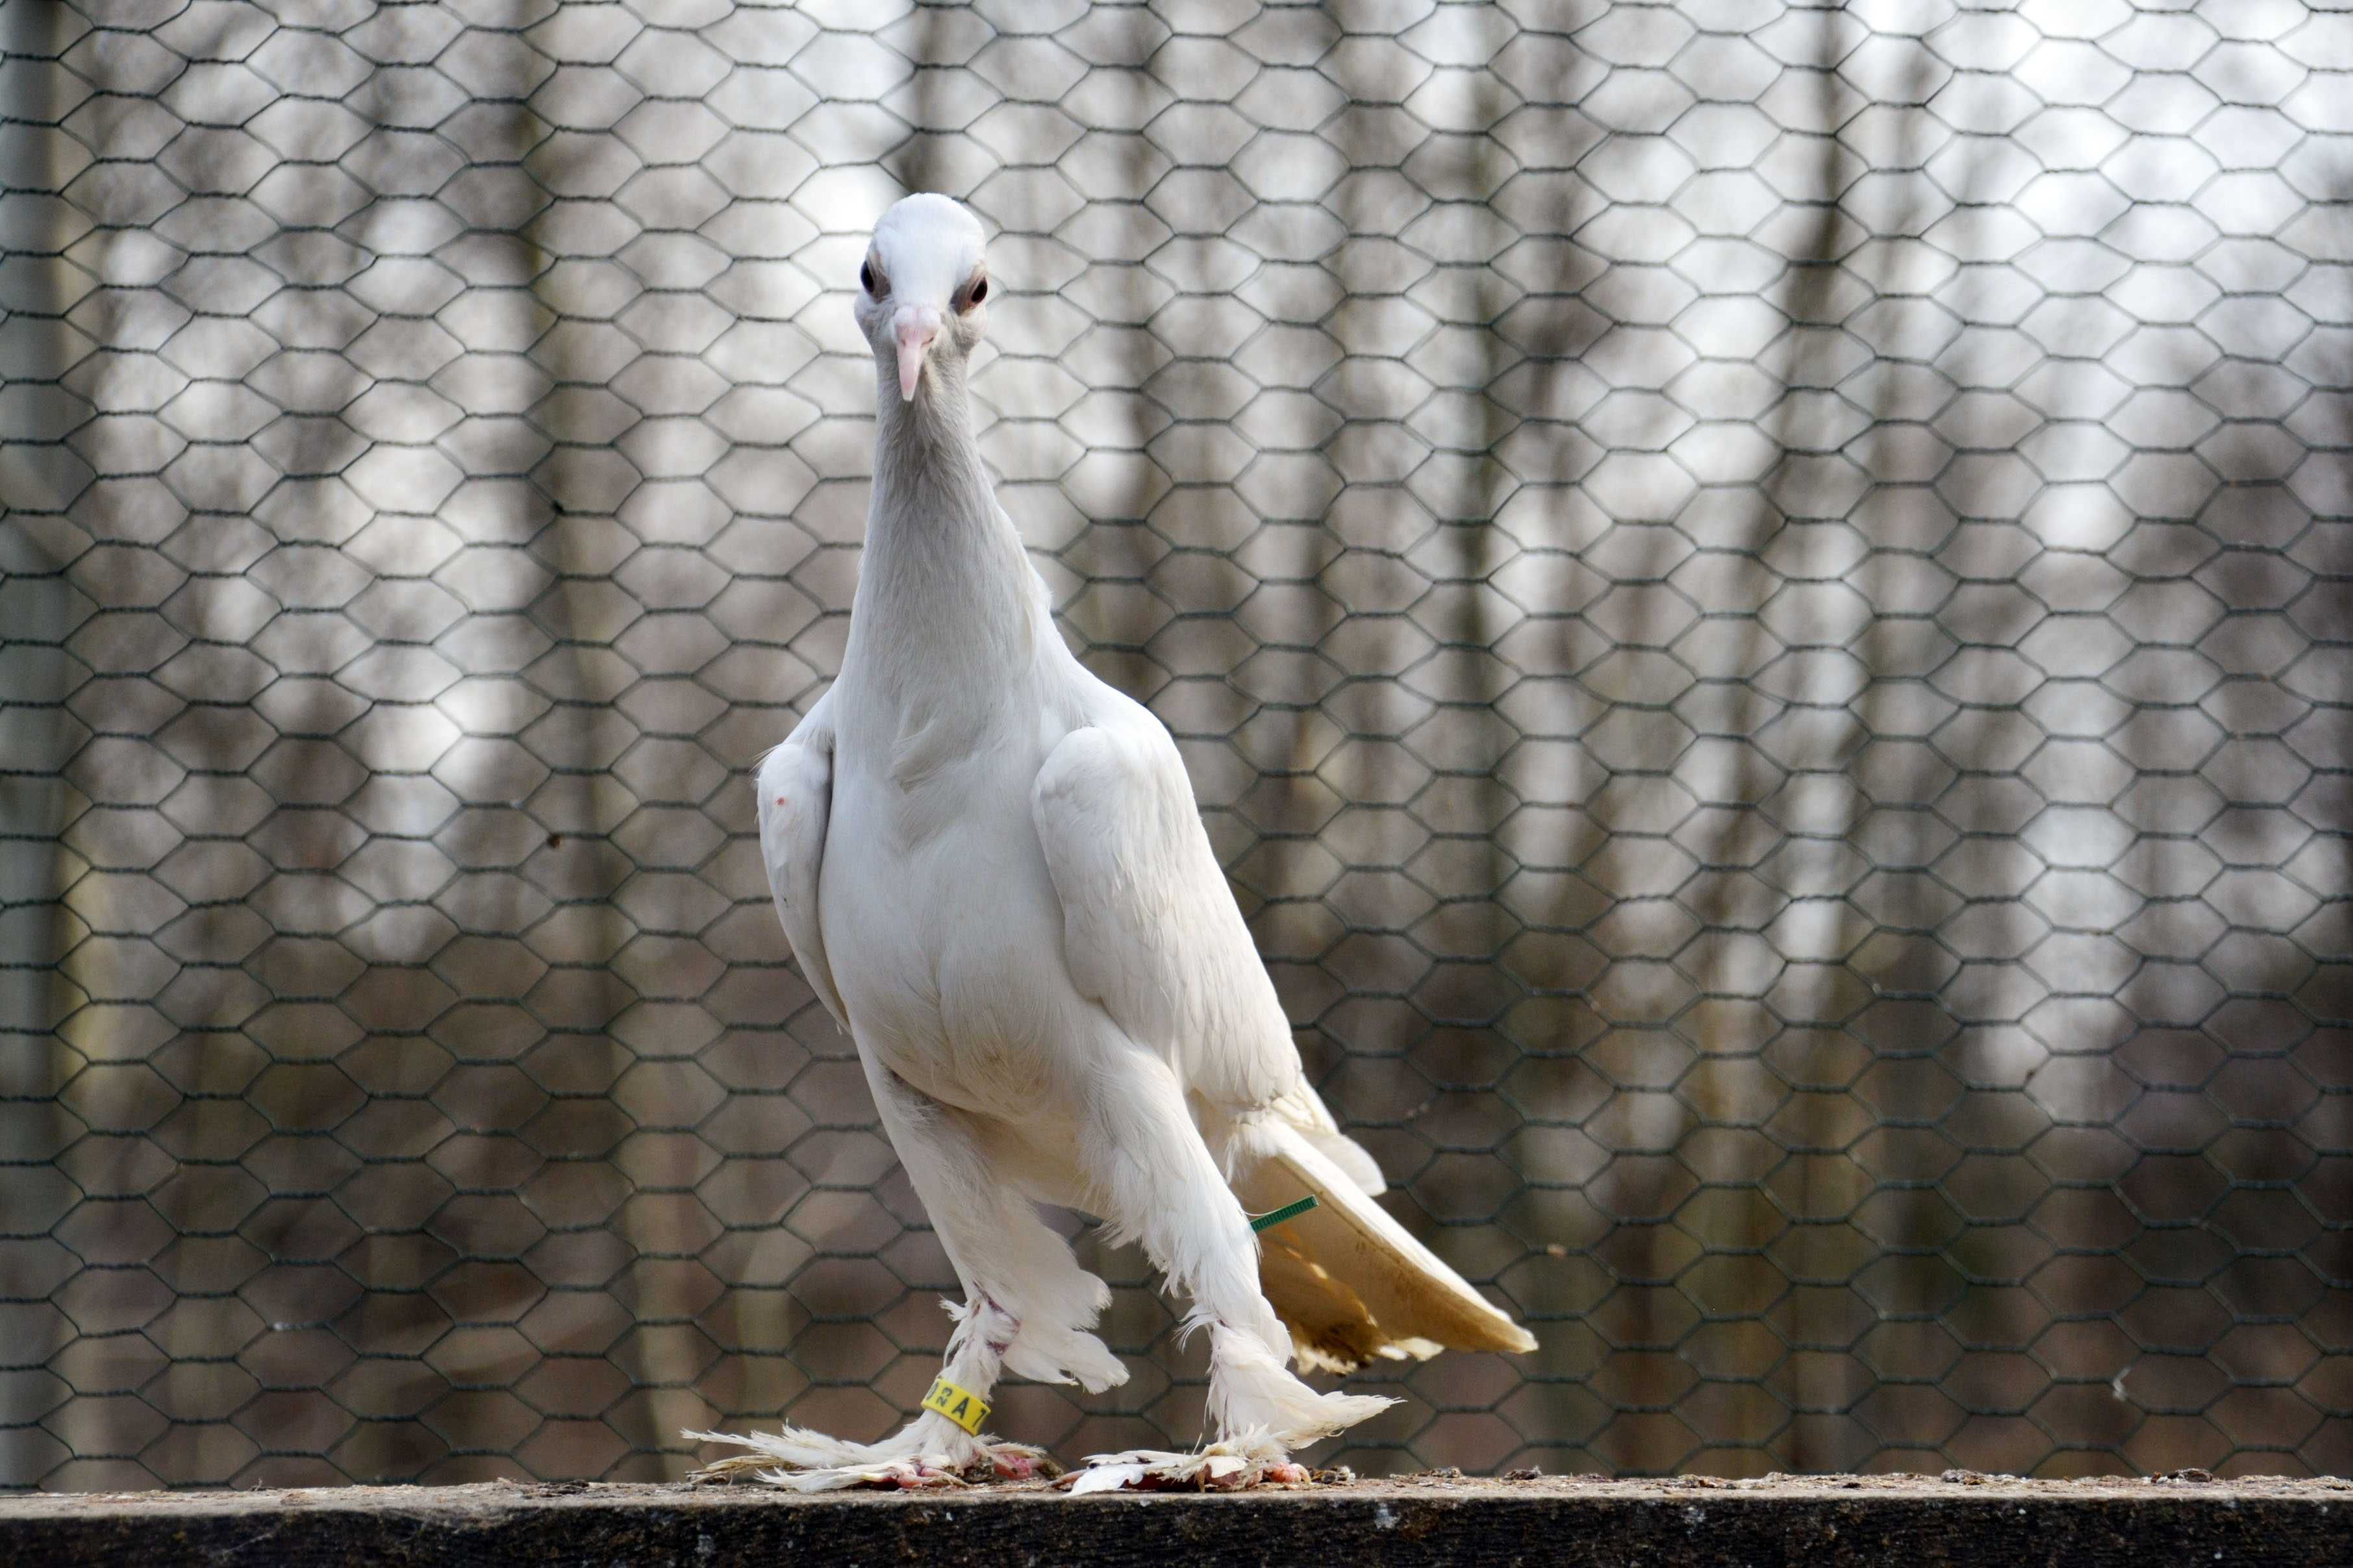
x,y
1014,1462
1233,1465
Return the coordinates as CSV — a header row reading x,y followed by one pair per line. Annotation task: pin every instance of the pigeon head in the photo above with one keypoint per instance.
x,y
922,288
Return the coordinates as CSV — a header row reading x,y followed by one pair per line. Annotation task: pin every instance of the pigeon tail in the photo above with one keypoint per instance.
x,y
1353,1284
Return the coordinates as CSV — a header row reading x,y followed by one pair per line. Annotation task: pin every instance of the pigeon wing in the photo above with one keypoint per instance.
x,y
796,801
1150,930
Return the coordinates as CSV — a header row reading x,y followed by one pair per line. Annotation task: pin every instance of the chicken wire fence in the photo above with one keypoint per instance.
x,y
1756,596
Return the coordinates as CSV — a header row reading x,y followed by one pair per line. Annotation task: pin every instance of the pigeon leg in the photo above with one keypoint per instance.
x,y
1002,1251
936,1450
1156,1180
1030,1310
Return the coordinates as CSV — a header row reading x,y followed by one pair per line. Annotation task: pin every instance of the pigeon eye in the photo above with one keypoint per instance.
x,y
979,290
866,276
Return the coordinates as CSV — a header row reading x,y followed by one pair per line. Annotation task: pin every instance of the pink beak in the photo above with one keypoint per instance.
x,y
918,326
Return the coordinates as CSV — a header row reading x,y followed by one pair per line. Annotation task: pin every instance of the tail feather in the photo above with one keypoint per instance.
x,y
1351,1282
1303,1110
1344,1152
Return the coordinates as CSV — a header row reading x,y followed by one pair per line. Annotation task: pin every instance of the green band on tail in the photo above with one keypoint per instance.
x,y
1288,1211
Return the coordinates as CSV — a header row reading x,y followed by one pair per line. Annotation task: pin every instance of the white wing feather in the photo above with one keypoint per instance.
x,y
1149,928
796,801
1151,932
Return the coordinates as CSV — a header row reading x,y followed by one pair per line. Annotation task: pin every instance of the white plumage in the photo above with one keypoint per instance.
x,y
993,872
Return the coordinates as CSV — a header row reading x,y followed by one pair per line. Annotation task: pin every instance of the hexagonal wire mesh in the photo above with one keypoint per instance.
x,y
1756,596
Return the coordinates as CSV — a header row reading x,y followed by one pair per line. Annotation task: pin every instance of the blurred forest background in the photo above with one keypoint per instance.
x,y
1756,595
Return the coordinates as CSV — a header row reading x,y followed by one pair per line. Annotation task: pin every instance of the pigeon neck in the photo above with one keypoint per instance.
x,y
944,593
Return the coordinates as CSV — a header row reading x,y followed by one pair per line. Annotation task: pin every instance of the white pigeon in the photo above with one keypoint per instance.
x,y
991,867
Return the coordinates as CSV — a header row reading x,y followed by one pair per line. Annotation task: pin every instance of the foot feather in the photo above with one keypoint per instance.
x,y
807,1461
1050,1352
1251,1391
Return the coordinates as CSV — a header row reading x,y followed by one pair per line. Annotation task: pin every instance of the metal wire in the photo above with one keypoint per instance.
x,y
1756,596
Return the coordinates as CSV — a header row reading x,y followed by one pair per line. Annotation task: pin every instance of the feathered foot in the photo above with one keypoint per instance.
x,y
1252,1459
917,1458
1253,1395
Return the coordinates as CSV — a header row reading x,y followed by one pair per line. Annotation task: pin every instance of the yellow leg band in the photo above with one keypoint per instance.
x,y
961,1405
